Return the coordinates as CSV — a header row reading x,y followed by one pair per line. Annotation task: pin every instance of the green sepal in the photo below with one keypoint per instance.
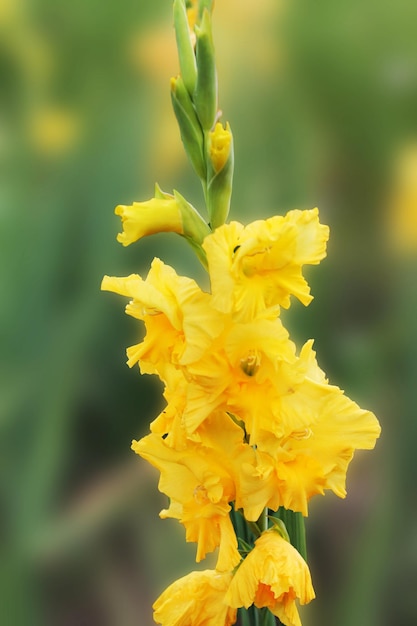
x,y
195,228
202,5
190,128
279,526
185,47
219,191
161,195
294,523
205,94
194,225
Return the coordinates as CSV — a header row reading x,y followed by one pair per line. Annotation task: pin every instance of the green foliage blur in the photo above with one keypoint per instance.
x,y
322,100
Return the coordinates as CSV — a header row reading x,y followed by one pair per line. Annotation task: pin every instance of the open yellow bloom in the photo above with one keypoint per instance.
x,y
273,575
179,320
241,372
324,428
259,266
196,599
197,479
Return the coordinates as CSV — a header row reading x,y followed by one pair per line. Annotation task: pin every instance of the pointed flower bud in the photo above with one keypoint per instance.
x,y
190,128
185,45
205,94
203,5
220,144
146,218
220,174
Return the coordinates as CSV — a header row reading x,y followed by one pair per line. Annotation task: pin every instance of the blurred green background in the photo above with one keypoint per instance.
x,y
322,101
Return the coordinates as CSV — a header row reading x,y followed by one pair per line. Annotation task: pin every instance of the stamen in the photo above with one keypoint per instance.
x,y
251,363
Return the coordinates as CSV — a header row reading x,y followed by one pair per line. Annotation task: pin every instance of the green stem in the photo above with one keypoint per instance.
x,y
243,618
253,612
294,523
265,519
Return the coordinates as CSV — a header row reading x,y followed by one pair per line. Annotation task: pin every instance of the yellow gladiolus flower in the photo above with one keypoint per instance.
x,y
200,486
178,317
240,372
258,267
273,575
196,599
323,430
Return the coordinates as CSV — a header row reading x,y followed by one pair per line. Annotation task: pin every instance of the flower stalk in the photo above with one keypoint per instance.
x,y
252,429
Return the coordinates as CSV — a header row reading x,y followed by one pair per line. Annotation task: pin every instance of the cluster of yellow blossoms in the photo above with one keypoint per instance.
x,y
249,423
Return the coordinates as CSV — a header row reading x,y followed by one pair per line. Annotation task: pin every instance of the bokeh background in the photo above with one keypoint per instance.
x,y
322,99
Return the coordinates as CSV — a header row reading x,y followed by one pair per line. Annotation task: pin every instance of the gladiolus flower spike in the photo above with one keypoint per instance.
x,y
252,429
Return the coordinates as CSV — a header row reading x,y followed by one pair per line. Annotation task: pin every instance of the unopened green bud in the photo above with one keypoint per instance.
x,y
190,128
185,46
220,174
205,94
202,5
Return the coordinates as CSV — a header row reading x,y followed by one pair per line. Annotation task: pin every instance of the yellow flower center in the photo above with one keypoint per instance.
x,y
301,434
250,364
200,494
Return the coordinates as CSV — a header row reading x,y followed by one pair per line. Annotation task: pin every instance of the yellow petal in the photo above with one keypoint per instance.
x,y
146,218
197,599
259,267
273,575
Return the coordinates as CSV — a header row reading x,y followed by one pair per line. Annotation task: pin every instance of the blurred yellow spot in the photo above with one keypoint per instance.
x,y
253,42
154,52
402,214
53,131
8,9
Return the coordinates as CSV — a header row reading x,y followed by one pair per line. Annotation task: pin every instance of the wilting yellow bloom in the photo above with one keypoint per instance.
x,y
220,140
196,599
198,482
259,266
273,575
146,218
